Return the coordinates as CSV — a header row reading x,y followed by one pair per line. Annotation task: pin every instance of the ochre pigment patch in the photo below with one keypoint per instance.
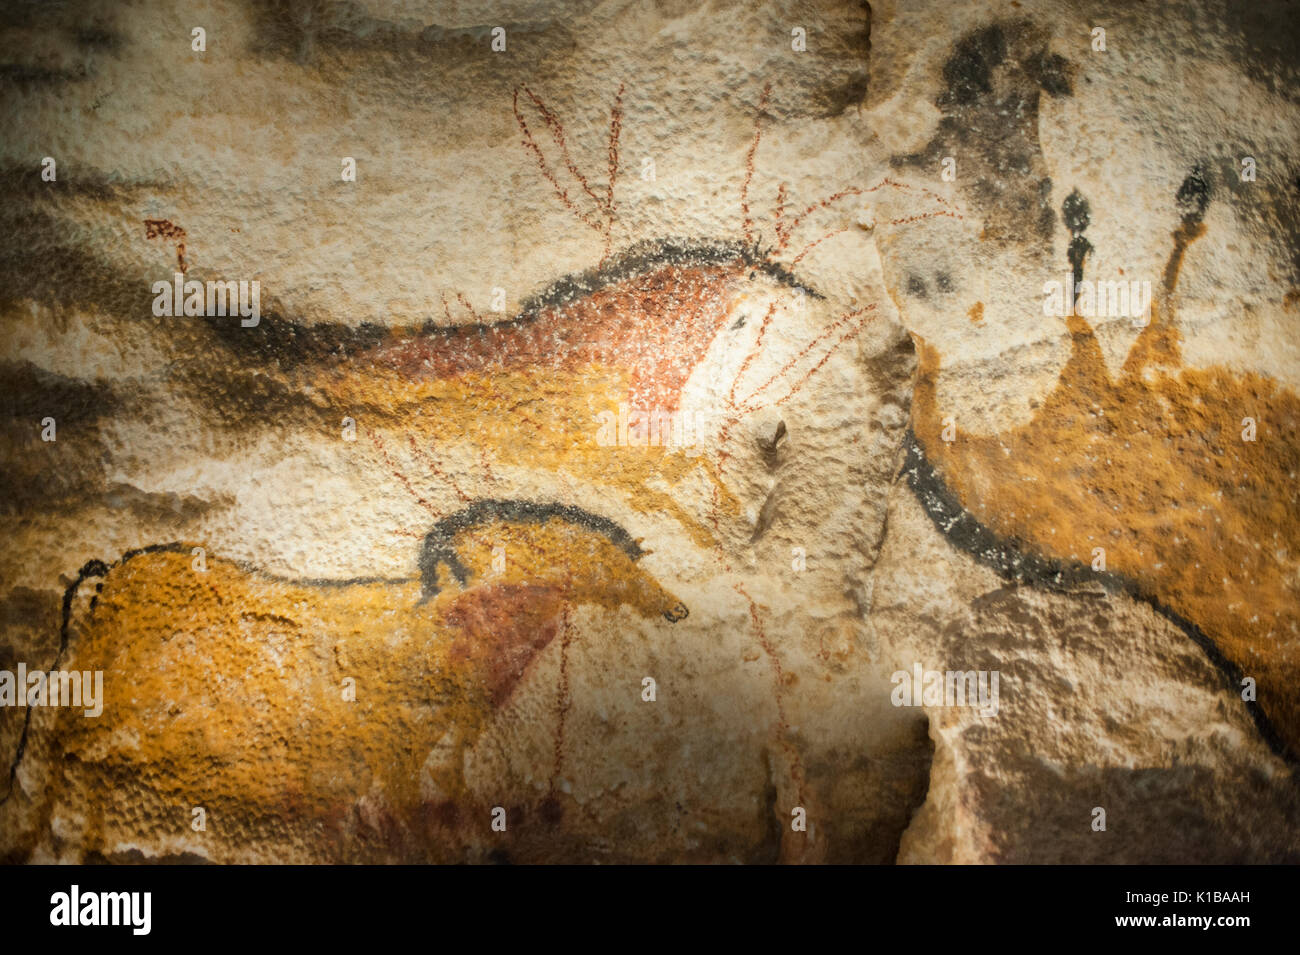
x,y
654,328
1152,466
225,688
530,390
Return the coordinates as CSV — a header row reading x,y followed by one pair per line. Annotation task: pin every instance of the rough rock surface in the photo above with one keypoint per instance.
x,y
652,348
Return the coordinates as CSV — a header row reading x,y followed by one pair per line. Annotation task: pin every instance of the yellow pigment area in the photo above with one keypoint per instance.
x,y
1152,466
270,699
543,419
582,566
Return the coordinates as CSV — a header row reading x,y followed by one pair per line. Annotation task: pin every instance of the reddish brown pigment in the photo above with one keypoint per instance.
x,y
656,326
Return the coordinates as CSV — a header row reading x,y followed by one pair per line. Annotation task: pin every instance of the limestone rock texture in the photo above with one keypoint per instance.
x,y
640,402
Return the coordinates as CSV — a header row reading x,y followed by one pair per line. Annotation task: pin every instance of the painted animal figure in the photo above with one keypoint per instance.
x,y
309,719
1152,481
531,391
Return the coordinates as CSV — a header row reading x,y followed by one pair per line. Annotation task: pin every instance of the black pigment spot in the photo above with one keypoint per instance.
x,y
1075,212
968,73
1193,196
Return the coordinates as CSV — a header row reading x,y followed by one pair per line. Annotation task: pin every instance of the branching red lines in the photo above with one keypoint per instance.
x,y
787,227
433,466
753,353
464,301
815,207
794,389
749,163
778,672
603,221
396,472
748,404
531,144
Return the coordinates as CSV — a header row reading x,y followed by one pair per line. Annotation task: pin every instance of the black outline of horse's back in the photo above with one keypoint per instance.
x,y
437,548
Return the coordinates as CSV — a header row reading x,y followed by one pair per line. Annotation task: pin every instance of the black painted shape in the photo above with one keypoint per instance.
x,y
92,568
968,73
652,254
1052,72
290,342
1006,558
1075,212
1193,196
438,543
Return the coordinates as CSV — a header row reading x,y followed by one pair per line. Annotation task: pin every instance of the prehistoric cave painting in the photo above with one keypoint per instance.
x,y
1156,467
631,331
531,390
166,229
227,687
525,392
990,102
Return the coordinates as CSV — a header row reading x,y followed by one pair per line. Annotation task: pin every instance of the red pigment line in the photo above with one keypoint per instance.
x,y
724,437
433,466
924,215
562,701
542,164
929,192
825,333
825,358
402,478
780,211
487,468
816,206
749,162
403,532
758,343
812,245
446,309
909,188
464,301
796,764
557,133
615,130
716,520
